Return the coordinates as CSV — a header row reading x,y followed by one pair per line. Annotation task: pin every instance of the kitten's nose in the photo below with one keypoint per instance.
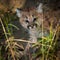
x,y
31,26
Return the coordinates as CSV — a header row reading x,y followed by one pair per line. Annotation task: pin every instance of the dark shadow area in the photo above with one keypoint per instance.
x,y
21,33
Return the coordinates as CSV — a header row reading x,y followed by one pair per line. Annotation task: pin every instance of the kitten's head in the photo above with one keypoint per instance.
x,y
28,18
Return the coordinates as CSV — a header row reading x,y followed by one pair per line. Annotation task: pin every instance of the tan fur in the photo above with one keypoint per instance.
x,y
5,5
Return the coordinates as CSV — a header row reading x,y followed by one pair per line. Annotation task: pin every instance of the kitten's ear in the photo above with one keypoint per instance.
x,y
18,12
39,8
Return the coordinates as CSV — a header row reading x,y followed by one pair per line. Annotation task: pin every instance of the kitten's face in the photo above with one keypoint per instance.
x,y
28,19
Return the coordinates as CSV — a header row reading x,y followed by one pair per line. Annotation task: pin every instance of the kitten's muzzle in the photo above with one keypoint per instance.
x,y
32,26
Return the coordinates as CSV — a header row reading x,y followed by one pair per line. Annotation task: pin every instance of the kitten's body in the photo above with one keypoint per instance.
x,y
30,19
38,23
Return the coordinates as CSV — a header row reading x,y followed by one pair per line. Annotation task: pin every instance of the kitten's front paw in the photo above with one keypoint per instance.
x,y
33,40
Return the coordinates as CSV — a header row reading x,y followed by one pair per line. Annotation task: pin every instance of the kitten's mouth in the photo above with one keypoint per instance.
x,y
32,26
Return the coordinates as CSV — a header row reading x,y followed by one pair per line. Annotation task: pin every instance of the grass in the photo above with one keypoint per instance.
x,y
12,47
47,45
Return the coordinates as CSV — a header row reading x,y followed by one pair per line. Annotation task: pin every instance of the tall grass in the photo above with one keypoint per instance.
x,y
47,44
12,47
45,47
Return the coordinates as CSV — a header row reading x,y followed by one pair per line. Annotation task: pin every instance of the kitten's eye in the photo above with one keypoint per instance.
x,y
32,15
34,19
26,21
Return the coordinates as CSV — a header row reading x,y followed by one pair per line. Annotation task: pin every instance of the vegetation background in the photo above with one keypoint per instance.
x,y
12,46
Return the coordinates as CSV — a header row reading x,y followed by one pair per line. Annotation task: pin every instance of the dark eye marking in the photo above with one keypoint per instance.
x,y
26,21
34,19
26,17
32,15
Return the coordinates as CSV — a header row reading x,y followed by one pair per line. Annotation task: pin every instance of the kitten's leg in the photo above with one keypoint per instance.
x,y
27,52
